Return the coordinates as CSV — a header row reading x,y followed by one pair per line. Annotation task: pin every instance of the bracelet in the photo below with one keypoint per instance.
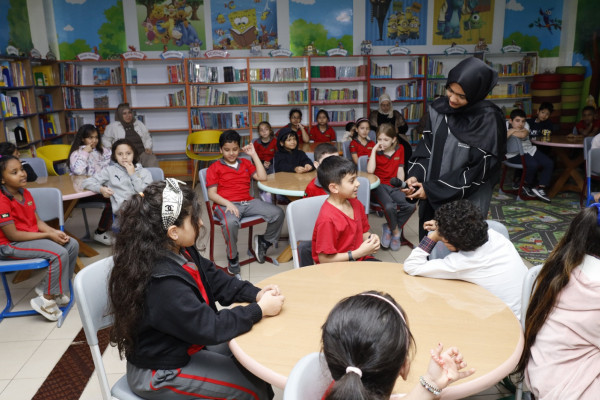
x,y
350,258
429,386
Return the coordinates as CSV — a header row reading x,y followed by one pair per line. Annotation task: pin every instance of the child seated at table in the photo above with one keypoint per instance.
x,y
479,254
367,345
321,131
560,358
296,126
588,126
265,145
361,144
541,124
288,158
341,231
322,151
534,160
10,149
228,182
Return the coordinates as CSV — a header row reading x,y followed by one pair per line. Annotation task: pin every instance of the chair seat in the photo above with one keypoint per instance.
x,y
513,165
122,391
256,219
30,263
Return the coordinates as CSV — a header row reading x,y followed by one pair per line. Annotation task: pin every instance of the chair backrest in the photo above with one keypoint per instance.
x,y
364,193
498,227
309,379
301,218
49,204
593,162
52,153
528,290
91,292
362,163
311,156
38,165
346,150
514,145
202,138
202,179
587,145
157,174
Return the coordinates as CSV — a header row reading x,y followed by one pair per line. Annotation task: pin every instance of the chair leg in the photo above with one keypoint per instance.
x,y
87,226
8,297
195,174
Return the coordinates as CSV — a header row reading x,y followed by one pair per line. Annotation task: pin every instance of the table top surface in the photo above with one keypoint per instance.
x,y
559,141
455,313
292,184
69,185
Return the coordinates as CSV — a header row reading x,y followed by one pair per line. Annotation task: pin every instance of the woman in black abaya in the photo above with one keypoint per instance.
x,y
463,144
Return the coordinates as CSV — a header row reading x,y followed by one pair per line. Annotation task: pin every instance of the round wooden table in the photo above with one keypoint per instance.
x,y
563,148
292,184
455,313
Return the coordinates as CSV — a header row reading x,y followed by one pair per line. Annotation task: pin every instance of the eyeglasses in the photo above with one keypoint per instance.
x,y
460,96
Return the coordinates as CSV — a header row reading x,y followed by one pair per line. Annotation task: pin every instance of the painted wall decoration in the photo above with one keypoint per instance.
x,y
170,24
390,23
535,25
14,26
320,25
87,25
242,24
463,21
586,48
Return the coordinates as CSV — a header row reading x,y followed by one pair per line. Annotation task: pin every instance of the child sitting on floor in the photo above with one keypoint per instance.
x,y
341,231
479,254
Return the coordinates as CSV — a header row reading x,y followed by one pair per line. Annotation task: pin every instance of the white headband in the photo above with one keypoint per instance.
x,y
172,201
387,301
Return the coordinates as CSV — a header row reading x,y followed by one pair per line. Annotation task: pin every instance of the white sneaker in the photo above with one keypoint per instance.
x,y
62,300
47,308
105,238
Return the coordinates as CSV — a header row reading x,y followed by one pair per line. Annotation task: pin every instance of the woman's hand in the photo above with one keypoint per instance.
x,y
418,191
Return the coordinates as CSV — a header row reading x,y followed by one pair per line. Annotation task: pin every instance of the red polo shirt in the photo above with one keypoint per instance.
x,y
317,136
232,184
22,214
357,148
265,151
387,166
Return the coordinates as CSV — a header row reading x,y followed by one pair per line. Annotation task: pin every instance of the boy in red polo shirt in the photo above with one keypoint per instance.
x,y
228,181
322,151
342,229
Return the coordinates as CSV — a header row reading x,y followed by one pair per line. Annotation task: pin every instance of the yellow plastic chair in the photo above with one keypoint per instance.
x,y
53,153
204,138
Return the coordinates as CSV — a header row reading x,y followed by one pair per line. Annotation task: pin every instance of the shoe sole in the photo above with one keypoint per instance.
x,y
44,313
256,251
539,195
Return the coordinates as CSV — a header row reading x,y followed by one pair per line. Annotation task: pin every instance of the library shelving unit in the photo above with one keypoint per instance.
x,y
403,77
49,100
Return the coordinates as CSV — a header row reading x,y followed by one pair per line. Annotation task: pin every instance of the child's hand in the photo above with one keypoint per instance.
x,y
231,208
369,246
58,236
106,192
445,368
249,149
376,148
130,168
274,289
300,170
267,164
308,168
88,148
270,304
430,225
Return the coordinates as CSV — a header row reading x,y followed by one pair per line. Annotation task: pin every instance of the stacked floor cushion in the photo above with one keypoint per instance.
x,y
546,88
570,91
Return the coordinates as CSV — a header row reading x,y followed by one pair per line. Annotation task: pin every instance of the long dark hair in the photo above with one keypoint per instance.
x,y
84,132
582,237
283,137
368,333
139,243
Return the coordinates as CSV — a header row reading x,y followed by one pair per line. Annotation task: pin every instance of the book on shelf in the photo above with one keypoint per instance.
x,y
260,74
333,95
100,98
290,74
381,71
525,66
435,68
337,115
409,91
176,99
49,126
72,97
175,73
15,104
115,75
131,76
43,75
101,76
297,96
101,119
203,74
258,117
17,132
74,122
377,91
417,67
6,74
412,112
70,74
216,120
231,74
45,103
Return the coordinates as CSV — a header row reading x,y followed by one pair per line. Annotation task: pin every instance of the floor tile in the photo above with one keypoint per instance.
x,y
44,359
3,384
112,363
21,389
15,355
70,327
26,328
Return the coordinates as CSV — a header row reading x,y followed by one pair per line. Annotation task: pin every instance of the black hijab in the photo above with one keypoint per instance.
x,y
471,122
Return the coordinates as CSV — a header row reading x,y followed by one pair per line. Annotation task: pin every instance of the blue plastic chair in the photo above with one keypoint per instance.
x,y
49,206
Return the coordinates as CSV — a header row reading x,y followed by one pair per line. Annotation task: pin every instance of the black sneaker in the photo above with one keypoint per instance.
x,y
541,193
515,185
234,268
260,248
528,192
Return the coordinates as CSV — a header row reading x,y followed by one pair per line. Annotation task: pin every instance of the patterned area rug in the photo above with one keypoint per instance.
x,y
535,227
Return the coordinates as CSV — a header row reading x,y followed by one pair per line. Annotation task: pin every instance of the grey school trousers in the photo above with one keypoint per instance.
x,y
212,373
396,209
231,224
62,260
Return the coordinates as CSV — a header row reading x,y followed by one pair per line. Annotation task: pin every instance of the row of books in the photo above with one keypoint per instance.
x,y
44,103
435,68
412,111
231,74
15,104
70,74
207,96
49,125
43,75
259,96
258,117
511,90
525,66
13,74
435,89
410,90
417,66
17,131
175,73
131,75
290,74
206,74
297,96
342,72
377,91
72,97
338,116
176,99
215,120
106,76
381,71
260,74
333,94
74,121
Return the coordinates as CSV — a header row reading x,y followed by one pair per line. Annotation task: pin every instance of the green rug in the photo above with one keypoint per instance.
x,y
535,227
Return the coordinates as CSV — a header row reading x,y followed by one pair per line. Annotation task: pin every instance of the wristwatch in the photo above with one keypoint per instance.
x,y
350,258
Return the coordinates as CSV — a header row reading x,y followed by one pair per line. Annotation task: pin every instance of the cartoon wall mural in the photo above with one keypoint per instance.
x,y
14,26
391,23
88,25
243,24
170,24
535,25
463,21
321,25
